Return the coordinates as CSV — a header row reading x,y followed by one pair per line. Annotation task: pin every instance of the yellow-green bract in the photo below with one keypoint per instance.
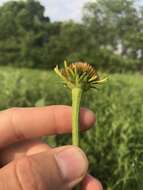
x,y
79,75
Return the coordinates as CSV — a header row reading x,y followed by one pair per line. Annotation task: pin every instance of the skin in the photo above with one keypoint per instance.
x,y
29,164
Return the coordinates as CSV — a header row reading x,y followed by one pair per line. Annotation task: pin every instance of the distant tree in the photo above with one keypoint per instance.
x,y
68,43
23,32
115,26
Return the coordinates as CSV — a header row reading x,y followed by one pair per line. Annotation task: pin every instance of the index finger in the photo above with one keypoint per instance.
x,y
18,124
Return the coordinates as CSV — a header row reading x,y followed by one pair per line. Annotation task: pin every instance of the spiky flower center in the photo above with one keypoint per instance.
x,y
80,69
80,75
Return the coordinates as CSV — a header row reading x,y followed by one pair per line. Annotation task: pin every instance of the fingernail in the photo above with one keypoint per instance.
x,y
72,163
88,117
92,183
91,117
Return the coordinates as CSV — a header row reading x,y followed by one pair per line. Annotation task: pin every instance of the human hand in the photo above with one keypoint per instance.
x,y
29,164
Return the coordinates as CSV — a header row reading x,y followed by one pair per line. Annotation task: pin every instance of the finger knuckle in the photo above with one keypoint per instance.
x,y
12,120
12,110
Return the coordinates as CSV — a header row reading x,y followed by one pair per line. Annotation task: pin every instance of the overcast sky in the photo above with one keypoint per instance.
x,y
65,9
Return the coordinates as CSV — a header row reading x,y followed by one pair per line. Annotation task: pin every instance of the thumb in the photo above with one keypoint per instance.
x,y
61,168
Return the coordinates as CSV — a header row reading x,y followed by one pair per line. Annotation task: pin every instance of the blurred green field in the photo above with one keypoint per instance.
x,y
115,146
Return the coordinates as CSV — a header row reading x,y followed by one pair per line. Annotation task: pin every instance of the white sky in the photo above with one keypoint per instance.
x,y
65,9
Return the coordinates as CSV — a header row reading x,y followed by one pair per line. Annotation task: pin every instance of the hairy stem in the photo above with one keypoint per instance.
x,y
76,98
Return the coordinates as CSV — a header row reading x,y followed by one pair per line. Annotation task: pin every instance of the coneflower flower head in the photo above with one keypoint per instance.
x,y
79,75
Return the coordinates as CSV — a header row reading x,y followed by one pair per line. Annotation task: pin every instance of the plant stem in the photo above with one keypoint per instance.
x,y
76,98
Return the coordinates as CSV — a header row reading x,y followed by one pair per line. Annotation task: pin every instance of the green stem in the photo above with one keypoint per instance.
x,y
76,98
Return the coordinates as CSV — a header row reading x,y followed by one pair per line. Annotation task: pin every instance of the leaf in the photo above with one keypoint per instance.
x,y
40,102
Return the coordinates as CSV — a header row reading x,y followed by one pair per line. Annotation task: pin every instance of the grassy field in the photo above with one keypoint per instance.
x,y
115,146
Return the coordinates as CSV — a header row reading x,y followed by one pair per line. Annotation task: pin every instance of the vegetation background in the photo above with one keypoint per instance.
x,y
110,37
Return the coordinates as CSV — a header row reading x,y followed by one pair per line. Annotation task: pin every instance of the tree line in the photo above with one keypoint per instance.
x,y
109,36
